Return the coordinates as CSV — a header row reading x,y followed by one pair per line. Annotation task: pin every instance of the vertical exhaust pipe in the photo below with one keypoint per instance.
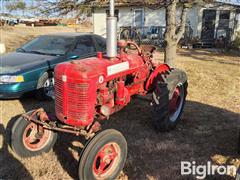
x,y
111,32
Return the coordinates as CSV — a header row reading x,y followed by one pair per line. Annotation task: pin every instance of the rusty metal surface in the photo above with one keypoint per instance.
x,y
54,125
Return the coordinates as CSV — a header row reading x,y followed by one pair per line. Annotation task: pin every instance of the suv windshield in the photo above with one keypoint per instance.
x,y
49,45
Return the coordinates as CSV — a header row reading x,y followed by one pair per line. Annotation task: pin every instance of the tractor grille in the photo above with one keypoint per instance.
x,y
71,100
77,98
58,86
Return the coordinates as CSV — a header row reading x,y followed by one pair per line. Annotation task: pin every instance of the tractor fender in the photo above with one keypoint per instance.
x,y
174,78
162,68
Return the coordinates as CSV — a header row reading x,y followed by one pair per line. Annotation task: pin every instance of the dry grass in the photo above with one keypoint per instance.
x,y
14,37
208,127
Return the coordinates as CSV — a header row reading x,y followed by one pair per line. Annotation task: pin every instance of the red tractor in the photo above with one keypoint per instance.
x,y
88,91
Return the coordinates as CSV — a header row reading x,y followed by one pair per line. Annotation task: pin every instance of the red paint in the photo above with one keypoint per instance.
x,y
99,55
106,160
82,87
159,70
122,93
175,101
122,44
35,137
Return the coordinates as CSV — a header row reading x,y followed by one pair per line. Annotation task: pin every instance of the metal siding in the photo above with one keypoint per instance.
x,y
99,22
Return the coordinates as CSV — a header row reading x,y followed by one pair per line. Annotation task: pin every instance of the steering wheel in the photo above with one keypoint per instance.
x,y
123,45
135,46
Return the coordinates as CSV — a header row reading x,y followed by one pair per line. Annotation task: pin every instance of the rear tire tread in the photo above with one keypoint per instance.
x,y
160,114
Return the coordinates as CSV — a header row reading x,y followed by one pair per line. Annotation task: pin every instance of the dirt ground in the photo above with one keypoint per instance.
x,y
208,127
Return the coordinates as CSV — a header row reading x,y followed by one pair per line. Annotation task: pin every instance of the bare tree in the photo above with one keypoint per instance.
x,y
16,6
61,7
174,31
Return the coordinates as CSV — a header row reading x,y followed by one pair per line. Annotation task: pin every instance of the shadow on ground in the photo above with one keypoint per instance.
x,y
210,56
203,132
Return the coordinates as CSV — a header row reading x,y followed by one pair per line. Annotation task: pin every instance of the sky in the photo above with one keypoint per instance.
x,y
18,13
235,2
27,13
4,4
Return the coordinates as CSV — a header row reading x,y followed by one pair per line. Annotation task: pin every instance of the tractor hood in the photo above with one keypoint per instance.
x,y
92,68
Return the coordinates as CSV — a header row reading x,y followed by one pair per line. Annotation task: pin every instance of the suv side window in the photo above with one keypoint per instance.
x,y
85,46
101,43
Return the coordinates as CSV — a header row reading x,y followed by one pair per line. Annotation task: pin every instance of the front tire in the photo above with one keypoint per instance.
x,y
169,98
103,157
27,141
45,87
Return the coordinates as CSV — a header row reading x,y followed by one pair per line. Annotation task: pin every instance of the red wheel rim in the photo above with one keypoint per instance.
x,y
35,137
175,101
106,161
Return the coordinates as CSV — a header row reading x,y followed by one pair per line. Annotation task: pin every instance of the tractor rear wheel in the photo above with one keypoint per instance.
x,y
168,100
104,156
29,139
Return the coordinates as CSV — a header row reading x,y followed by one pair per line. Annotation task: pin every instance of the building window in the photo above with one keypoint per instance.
x,y
224,18
116,13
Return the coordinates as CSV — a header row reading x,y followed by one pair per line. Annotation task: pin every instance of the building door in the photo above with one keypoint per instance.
x,y
138,18
208,24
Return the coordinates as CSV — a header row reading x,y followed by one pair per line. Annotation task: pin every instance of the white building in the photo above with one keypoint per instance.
x,y
208,22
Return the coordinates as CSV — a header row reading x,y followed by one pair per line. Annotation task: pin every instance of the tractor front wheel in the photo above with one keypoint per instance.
x,y
29,139
104,156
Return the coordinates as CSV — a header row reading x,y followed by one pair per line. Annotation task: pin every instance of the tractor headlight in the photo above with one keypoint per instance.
x,y
11,79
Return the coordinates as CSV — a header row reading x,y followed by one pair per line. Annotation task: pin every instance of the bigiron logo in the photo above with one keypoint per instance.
x,y
202,171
